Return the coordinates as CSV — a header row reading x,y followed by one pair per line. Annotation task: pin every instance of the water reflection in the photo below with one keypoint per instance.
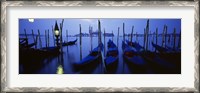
x,y
60,70
63,63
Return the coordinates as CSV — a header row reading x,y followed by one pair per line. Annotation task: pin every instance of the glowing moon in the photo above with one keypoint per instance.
x,y
31,20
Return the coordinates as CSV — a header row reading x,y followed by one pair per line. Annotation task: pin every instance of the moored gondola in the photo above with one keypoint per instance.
x,y
157,61
135,62
161,49
111,60
28,54
136,45
23,43
160,65
90,61
69,43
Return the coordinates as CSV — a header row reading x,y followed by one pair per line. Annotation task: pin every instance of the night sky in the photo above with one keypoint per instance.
x,y
72,25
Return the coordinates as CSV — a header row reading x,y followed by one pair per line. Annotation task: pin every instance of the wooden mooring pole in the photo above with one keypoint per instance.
x,y
144,38
53,37
25,34
104,42
112,35
153,38
99,33
156,37
26,37
34,39
174,46
40,38
123,32
169,36
90,32
48,38
118,38
80,38
165,36
67,38
99,36
132,34
147,34
179,41
91,37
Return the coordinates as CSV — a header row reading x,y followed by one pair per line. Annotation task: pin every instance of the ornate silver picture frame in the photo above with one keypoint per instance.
x,y
4,47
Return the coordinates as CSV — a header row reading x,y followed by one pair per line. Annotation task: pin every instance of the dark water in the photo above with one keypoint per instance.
x,y
63,63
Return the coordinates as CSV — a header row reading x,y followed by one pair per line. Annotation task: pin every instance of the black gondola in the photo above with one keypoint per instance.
x,y
69,43
23,43
161,49
157,61
137,46
111,60
91,60
135,62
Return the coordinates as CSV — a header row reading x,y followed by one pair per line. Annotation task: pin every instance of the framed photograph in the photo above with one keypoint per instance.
x,y
100,46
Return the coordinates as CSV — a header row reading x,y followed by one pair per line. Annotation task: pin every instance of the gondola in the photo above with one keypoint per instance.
x,y
134,61
33,55
136,45
69,43
27,53
155,60
159,64
50,50
171,55
175,50
161,49
91,60
112,57
23,43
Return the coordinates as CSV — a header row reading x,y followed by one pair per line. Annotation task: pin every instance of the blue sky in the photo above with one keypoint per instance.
x,y
72,25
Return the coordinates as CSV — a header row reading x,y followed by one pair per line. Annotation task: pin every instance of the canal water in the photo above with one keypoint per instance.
x,y
71,54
